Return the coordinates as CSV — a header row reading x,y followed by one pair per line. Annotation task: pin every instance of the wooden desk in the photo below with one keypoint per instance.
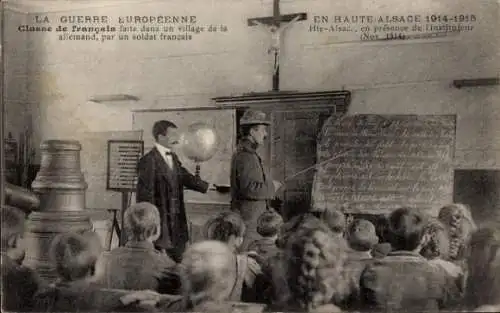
x,y
201,207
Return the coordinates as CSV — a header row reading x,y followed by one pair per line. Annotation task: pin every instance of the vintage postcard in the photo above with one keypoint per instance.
x,y
250,155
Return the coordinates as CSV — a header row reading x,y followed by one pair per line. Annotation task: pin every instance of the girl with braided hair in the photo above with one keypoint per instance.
x,y
438,242
436,250
315,264
458,221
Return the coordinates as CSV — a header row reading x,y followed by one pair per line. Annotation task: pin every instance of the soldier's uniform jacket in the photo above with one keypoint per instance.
x,y
251,183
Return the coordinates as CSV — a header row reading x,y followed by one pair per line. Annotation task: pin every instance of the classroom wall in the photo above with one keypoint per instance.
x,y
54,79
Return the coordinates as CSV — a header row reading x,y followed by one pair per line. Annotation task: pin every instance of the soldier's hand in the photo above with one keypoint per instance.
x,y
277,185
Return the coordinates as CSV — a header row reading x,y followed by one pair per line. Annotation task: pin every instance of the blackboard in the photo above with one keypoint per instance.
x,y
385,162
123,157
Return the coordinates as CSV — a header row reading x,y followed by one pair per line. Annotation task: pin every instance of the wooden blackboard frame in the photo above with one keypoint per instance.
x,y
140,143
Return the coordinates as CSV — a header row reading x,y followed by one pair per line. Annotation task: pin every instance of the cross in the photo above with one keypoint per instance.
x,y
277,24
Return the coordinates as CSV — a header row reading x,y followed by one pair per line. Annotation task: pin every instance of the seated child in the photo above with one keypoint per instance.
x,y
268,226
336,220
437,248
361,237
137,265
229,228
275,269
19,283
208,272
74,256
458,221
314,273
405,280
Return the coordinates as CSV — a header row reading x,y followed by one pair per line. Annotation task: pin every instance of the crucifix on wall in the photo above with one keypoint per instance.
x,y
276,25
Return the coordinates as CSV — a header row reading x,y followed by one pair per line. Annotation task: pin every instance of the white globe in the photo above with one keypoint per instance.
x,y
199,142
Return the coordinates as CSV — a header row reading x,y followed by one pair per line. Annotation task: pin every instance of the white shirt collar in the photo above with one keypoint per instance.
x,y
162,149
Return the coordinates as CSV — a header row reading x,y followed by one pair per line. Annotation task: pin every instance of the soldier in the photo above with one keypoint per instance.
x,y
251,184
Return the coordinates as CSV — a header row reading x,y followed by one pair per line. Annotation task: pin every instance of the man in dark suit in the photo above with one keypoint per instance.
x,y
161,181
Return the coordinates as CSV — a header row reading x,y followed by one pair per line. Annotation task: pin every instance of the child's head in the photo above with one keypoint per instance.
x,y
13,221
269,224
406,228
297,225
142,222
362,235
227,227
74,255
208,272
336,220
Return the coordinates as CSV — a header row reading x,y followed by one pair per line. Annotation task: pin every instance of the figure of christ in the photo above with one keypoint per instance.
x,y
276,29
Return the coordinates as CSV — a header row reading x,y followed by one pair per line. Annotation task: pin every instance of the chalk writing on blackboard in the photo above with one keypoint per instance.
x,y
392,161
123,156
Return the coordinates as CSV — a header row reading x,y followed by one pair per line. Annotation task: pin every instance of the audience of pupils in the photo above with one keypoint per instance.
x,y
19,283
229,228
301,265
137,265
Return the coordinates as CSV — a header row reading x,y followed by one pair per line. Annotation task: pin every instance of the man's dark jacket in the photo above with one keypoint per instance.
x,y
162,186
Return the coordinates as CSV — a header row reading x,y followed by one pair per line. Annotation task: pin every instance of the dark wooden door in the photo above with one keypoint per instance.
x,y
293,149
